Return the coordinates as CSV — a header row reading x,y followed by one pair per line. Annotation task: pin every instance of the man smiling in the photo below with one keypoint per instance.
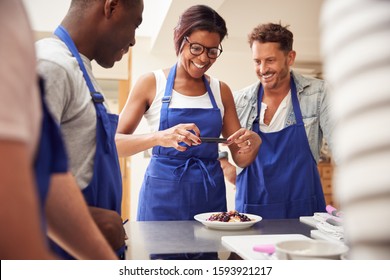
x,y
290,112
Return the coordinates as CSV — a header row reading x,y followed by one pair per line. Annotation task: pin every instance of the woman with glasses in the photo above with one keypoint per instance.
x,y
182,104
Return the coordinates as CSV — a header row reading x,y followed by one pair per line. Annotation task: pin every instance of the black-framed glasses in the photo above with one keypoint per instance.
x,y
198,49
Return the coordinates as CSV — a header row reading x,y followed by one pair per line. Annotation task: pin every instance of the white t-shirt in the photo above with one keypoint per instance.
x,y
179,100
20,107
279,119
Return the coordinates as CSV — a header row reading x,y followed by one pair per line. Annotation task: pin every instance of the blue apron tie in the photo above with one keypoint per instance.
x,y
207,179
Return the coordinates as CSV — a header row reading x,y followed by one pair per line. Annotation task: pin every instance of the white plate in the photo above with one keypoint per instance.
x,y
226,225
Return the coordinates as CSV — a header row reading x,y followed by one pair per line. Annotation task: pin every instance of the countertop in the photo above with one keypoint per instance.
x,y
171,237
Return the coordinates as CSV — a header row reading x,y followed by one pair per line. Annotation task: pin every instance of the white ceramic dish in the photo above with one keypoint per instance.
x,y
243,244
309,250
226,225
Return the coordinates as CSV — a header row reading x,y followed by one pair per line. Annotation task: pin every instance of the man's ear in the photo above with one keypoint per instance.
x,y
109,7
291,57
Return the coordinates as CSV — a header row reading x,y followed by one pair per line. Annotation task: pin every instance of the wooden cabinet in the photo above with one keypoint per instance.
x,y
326,173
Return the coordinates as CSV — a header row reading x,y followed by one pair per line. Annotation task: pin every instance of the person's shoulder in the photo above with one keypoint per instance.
x,y
305,80
149,77
145,83
54,54
217,83
47,46
54,50
246,95
224,86
248,90
308,83
157,74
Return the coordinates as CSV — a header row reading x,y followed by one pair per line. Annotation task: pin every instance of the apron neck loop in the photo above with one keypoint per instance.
x,y
294,98
170,85
168,96
63,34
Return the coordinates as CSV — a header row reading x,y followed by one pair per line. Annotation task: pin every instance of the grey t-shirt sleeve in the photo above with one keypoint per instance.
x,y
71,105
57,88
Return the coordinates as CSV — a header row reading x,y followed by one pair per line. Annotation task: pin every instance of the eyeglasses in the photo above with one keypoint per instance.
x,y
198,49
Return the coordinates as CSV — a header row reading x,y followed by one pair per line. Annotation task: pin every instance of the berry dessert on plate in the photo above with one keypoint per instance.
x,y
231,216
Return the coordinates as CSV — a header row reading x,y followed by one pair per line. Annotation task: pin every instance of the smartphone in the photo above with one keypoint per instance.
x,y
213,140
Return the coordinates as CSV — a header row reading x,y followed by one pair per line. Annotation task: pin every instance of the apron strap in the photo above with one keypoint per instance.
x,y
167,98
295,102
97,97
63,34
211,95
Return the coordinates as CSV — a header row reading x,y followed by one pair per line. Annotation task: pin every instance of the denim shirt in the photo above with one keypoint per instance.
x,y
314,103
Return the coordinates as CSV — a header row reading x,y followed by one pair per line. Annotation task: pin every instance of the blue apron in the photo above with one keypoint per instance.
x,y
283,181
50,157
178,185
105,188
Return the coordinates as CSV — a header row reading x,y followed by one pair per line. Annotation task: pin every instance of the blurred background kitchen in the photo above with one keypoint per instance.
x,y
154,50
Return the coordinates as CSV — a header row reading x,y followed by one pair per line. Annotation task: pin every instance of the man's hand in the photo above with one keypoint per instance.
x,y
229,170
110,224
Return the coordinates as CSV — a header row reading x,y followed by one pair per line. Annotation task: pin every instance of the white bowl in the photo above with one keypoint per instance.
x,y
309,250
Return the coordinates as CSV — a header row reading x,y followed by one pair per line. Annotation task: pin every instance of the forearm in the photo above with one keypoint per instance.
x,y
131,144
70,224
21,235
245,153
229,170
243,160
110,225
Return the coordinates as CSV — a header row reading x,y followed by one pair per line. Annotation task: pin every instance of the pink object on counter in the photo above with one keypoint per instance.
x,y
333,211
264,248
